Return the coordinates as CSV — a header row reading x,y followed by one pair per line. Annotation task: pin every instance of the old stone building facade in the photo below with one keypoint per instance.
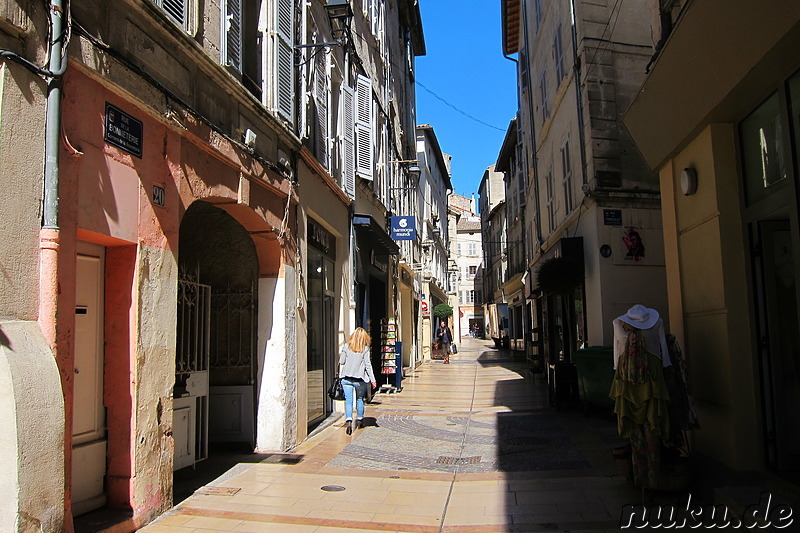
x,y
185,265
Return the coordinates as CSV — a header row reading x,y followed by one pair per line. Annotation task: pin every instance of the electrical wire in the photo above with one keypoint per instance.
x,y
602,40
43,71
459,110
420,84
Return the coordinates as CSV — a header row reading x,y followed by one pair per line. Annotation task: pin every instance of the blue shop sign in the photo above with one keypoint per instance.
x,y
403,228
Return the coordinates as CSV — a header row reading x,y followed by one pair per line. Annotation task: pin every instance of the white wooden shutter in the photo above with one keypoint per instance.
x,y
232,34
177,9
284,60
348,139
321,104
363,129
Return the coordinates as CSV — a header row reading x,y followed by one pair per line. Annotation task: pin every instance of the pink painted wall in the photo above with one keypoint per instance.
x,y
106,198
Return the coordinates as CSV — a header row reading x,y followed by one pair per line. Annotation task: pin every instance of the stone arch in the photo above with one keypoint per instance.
x,y
220,261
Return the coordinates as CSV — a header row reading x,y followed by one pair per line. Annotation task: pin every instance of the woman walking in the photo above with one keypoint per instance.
x,y
355,369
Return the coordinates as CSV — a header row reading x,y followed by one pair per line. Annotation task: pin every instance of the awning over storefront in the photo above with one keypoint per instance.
x,y
516,283
367,228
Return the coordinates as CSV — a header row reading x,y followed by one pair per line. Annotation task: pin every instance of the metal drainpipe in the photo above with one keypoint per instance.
x,y
579,100
53,120
49,237
537,217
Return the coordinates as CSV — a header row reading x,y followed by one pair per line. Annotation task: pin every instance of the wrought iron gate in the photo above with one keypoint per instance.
x,y
192,358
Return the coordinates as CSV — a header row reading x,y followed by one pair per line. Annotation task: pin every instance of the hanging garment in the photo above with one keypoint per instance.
x,y
641,402
682,410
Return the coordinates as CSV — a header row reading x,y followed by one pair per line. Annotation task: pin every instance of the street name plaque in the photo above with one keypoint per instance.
x,y
123,131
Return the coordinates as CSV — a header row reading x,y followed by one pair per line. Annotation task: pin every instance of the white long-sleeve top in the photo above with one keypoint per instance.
x,y
655,341
356,364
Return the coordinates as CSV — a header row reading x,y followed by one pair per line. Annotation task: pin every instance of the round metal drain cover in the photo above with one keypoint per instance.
x,y
332,488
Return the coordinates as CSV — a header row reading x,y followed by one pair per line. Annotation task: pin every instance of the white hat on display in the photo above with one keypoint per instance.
x,y
640,317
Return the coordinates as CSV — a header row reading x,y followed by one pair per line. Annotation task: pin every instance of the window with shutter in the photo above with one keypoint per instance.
x,y
177,10
232,34
348,139
363,127
284,60
558,55
566,166
321,101
543,93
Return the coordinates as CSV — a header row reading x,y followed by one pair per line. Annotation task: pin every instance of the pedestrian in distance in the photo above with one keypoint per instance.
x,y
355,369
444,337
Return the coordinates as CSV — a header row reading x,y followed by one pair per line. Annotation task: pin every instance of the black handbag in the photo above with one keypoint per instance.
x,y
336,391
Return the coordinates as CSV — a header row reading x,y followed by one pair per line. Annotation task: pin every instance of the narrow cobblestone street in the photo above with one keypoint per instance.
x,y
469,446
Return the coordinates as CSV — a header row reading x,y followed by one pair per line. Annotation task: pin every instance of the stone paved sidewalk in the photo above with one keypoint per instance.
x,y
466,447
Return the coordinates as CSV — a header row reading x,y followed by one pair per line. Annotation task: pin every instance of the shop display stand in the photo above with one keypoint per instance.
x,y
388,353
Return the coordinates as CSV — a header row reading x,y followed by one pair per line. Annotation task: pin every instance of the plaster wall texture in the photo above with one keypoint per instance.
x,y
32,440
153,446
714,308
22,109
276,416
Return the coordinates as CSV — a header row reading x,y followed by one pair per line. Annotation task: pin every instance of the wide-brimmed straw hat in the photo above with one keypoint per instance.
x,y
640,317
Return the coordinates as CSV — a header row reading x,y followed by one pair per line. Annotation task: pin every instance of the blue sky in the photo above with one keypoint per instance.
x,y
464,66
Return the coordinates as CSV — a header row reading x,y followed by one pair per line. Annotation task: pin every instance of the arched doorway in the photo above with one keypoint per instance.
x,y
216,335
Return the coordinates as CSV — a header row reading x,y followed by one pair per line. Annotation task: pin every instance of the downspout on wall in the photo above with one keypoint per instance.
x,y
537,218
576,65
49,237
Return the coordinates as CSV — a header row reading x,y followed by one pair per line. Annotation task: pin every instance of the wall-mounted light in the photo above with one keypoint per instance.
x,y
688,181
250,138
339,17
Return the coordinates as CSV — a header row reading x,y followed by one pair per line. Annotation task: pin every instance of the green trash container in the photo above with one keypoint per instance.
x,y
595,366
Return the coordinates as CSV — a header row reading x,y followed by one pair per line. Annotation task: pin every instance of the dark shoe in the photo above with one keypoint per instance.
x,y
359,424
349,425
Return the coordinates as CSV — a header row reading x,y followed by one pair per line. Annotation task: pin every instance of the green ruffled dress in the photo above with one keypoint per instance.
x,y
641,401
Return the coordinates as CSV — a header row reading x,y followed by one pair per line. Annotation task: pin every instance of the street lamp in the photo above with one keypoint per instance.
x,y
339,16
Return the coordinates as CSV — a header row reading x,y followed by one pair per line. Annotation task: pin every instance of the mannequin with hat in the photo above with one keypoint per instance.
x,y
640,395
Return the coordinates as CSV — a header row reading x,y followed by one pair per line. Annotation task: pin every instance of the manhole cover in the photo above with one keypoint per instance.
x,y
217,491
332,488
444,460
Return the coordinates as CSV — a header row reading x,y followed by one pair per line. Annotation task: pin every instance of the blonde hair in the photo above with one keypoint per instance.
x,y
359,340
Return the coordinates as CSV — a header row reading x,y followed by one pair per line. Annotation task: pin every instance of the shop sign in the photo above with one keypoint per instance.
x,y
123,131
383,266
320,238
403,228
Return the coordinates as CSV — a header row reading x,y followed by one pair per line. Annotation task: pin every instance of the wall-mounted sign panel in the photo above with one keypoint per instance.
x,y
403,228
123,131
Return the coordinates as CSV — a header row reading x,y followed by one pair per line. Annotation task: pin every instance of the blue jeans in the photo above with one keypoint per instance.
x,y
359,390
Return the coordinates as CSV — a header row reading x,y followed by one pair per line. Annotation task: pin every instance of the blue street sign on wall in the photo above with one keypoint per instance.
x,y
403,228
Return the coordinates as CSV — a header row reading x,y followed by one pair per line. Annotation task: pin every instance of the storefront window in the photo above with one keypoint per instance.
x,y
321,320
763,150
316,345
